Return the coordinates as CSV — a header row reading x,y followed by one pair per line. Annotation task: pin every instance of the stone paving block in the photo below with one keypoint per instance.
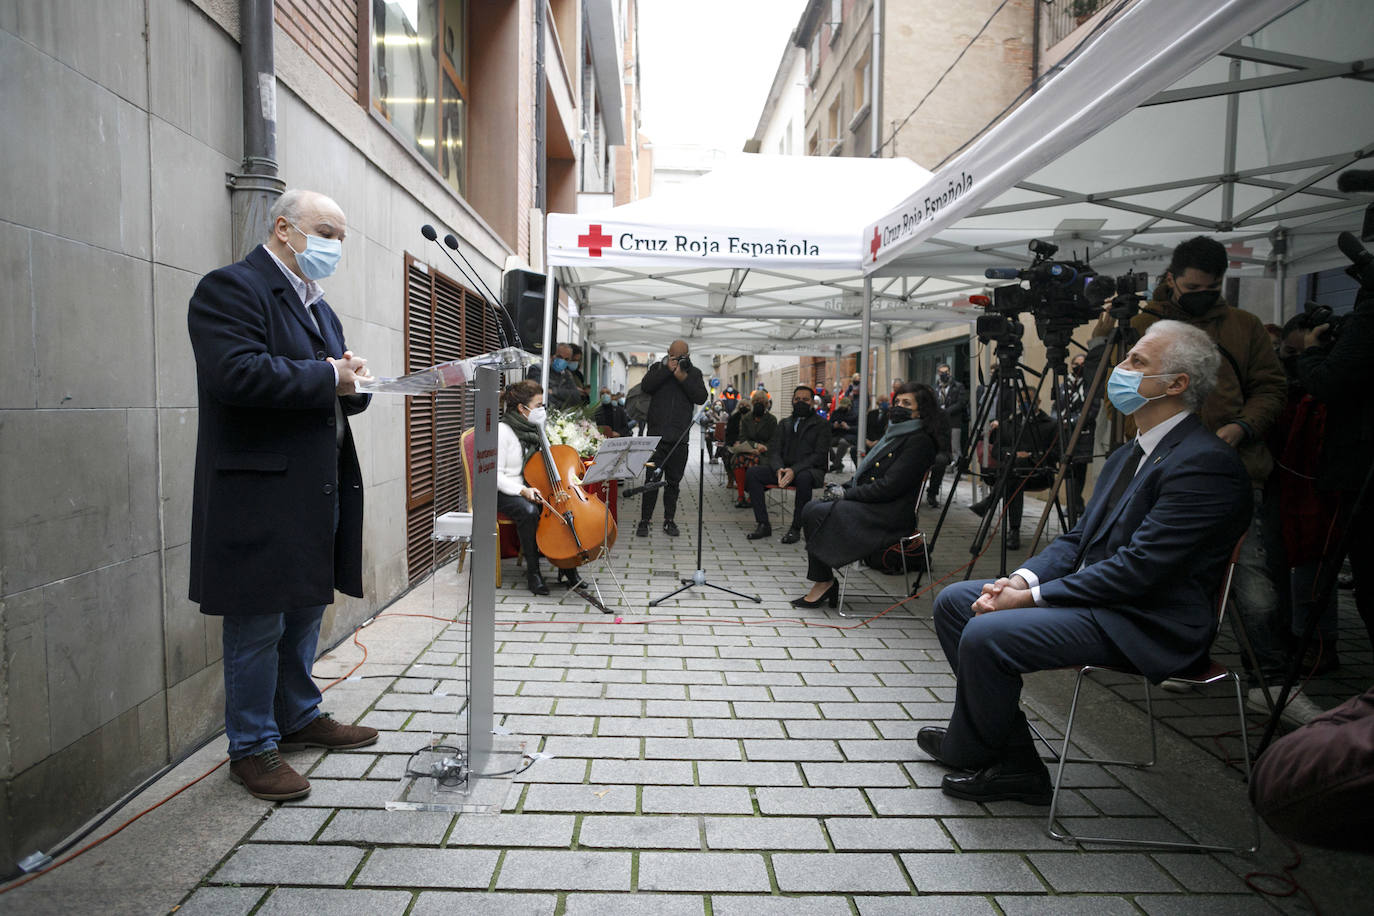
x,y
812,694
549,725
1131,828
757,905
650,664
936,905
572,871
569,746
764,833
507,830
389,767
1201,873
763,678
643,772
1095,905
628,832
1102,872
447,903
791,749
291,825
729,693
282,864
1007,833
559,769
560,689
832,729
836,679
811,801
647,691
776,710
846,872
347,793
342,766
887,833
864,711
696,800
731,773
649,728
868,666
972,872
919,803
637,904
579,706
388,828
409,867
899,750
385,720
691,749
703,871
696,709
222,901
854,774
1117,802
604,676
728,664
798,665
292,901
1192,905
737,728
591,799
683,677
530,705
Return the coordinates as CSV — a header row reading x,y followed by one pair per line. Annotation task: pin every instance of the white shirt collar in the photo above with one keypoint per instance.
x,y
1149,441
308,291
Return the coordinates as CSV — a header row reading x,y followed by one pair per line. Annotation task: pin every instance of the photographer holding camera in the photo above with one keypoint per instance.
x,y
675,387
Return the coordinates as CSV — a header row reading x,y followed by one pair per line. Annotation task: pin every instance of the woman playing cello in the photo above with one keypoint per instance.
x,y
517,440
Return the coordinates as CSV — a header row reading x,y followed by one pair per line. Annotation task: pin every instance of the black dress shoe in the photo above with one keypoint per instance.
x,y
1020,779
1013,540
670,528
743,504
933,500
792,536
642,530
536,582
764,530
830,596
930,739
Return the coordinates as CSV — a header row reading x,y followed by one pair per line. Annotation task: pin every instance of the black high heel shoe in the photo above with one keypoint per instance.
x,y
830,596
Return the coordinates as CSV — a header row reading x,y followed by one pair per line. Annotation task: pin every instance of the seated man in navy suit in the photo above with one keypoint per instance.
x,y
1133,585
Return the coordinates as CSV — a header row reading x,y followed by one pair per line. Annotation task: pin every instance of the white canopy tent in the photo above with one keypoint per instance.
x,y
1228,118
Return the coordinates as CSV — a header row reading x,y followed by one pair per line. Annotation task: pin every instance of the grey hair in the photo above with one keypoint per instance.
x,y
1189,352
289,205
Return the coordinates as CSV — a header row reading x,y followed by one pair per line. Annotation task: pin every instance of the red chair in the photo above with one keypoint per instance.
x,y
509,539
1210,672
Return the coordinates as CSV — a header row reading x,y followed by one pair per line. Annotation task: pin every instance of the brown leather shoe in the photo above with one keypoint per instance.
x,y
325,732
267,776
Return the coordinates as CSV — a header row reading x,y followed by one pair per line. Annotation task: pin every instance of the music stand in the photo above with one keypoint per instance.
x,y
616,459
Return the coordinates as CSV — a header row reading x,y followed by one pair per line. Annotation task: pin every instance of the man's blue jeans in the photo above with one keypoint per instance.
x,y
268,691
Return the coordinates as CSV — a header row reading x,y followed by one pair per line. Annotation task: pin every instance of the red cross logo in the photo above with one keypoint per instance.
x,y
1239,250
877,243
594,240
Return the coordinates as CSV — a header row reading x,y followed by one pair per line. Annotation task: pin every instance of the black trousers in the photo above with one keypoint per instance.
x,y
760,476
525,514
989,653
670,457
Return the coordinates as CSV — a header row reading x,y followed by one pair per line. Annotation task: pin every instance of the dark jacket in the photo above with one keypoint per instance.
x,y
1342,377
672,402
1150,569
268,467
614,417
807,450
758,430
564,391
850,419
953,400
879,507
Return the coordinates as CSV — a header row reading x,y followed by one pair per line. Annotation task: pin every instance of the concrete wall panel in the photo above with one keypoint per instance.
x,y
195,706
176,362
65,494
64,149
191,227
102,41
93,325
18,355
191,62
24,679
104,643
177,439
184,643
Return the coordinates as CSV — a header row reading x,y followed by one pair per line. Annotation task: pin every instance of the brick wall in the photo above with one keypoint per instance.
x,y
328,31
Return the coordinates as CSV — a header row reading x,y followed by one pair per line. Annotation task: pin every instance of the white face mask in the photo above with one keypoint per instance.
x,y
537,416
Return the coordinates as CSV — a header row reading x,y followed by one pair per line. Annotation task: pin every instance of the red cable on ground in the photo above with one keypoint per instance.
x,y
1288,885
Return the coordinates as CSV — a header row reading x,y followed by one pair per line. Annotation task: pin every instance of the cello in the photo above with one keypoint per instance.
x,y
575,527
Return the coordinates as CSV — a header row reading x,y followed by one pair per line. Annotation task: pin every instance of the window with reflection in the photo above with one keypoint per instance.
x,y
419,79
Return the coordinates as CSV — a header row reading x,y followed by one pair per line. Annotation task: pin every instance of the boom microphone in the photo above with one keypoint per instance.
x,y
451,241
1361,261
428,232
1356,180
1002,273
635,491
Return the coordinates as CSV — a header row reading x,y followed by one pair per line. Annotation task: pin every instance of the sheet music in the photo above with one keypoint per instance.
x,y
620,458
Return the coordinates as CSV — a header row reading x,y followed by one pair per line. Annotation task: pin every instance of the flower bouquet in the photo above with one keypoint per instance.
x,y
571,427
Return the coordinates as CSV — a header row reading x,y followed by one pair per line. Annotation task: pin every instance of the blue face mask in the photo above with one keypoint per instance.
x,y
1123,389
605,399
320,256
574,364
559,364
620,401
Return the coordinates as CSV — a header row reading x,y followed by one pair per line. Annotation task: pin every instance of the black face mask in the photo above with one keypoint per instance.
x,y
944,378
1198,303
1077,371
760,409
802,408
898,414
1290,367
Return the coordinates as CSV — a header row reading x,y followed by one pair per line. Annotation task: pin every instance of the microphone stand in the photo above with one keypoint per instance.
x,y
699,577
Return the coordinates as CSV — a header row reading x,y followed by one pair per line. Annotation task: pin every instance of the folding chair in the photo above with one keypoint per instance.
x,y
902,545
1208,673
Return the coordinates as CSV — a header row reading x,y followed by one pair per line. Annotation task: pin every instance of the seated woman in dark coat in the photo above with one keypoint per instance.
x,y
878,507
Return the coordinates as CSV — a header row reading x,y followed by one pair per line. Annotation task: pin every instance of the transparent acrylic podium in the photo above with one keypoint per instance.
x,y
468,770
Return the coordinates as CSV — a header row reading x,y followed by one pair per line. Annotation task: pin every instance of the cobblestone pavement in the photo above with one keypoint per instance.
x,y
709,756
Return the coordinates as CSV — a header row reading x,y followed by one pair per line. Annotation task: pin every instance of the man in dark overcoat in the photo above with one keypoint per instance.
x,y
797,457
277,514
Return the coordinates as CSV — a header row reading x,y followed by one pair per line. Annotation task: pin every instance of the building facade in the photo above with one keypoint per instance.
x,y
123,120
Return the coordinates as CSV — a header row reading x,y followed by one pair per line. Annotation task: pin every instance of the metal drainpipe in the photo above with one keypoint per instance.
x,y
541,166
256,186
875,112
